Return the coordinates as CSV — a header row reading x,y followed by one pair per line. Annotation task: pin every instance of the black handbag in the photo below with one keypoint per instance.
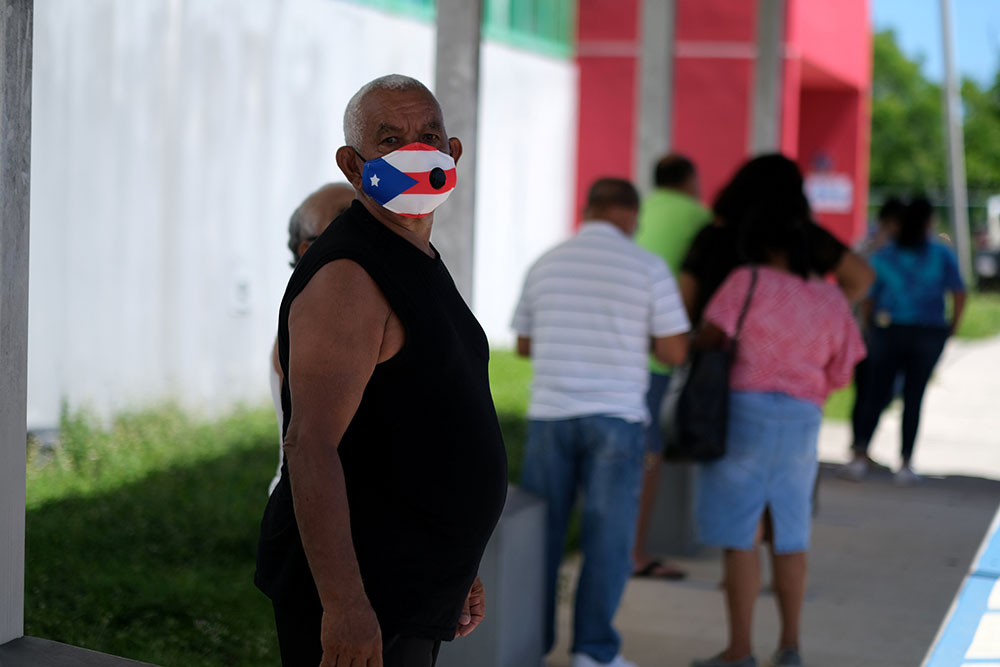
x,y
695,410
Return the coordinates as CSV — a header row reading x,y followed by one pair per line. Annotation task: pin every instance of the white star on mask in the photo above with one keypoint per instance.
x,y
375,180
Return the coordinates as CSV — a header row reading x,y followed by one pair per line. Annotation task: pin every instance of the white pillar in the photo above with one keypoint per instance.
x,y
956,149
457,88
765,130
15,173
655,90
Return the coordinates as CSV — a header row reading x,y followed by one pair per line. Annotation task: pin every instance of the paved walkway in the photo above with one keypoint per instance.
x,y
886,561
960,426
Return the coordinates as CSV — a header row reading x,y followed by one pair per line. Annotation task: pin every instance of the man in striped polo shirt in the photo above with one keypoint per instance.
x,y
590,311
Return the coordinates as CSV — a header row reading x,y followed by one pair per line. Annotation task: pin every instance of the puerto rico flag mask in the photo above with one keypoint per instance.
x,y
412,180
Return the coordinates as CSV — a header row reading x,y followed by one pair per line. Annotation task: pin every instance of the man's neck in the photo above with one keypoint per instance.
x,y
415,230
675,191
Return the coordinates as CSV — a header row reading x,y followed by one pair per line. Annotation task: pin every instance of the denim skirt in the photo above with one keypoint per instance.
x,y
770,463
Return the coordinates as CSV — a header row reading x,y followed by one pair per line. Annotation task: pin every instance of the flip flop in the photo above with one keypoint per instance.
x,y
657,570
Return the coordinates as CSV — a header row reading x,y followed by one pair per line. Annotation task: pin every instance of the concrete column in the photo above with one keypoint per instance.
x,y
956,149
15,173
765,129
457,89
656,83
513,573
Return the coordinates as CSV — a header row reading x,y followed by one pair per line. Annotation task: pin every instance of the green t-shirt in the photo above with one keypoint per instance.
x,y
668,222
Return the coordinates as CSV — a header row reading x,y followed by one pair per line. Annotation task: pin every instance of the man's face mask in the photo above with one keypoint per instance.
x,y
411,181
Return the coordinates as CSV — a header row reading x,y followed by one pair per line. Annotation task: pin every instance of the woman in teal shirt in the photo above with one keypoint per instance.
x,y
908,324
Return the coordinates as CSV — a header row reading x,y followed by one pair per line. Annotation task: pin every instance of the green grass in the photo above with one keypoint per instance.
x,y
141,538
982,316
510,377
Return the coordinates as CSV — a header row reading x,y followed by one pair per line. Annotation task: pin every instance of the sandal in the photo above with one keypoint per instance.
x,y
654,569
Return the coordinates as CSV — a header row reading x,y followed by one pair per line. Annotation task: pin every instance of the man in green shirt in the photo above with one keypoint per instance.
x,y
670,218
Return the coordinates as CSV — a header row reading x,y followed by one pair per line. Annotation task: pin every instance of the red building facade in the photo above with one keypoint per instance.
x,y
824,122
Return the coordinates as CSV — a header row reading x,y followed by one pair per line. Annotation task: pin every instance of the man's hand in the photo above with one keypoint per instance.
x,y
351,636
474,611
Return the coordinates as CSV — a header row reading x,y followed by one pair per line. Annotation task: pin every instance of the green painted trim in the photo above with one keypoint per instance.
x,y
547,27
418,9
541,45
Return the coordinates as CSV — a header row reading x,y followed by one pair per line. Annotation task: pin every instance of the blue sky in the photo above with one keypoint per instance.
x,y
976,27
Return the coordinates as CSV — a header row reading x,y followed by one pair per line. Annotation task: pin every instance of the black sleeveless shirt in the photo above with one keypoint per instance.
x,y
424,462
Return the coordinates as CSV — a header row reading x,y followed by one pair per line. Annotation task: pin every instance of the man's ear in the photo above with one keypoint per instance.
x,y
350,163
456,148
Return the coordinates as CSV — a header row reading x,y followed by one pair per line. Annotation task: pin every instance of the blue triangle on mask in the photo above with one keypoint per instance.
x,y
384,182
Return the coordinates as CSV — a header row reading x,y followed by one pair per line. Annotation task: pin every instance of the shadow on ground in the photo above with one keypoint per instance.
x,y
160,570
885,565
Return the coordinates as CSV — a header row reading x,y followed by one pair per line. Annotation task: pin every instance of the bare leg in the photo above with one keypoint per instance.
x,y
640,557
790,588
650,483
742,581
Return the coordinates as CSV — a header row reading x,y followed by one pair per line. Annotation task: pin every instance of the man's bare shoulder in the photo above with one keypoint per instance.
x,y
344,290
343,282
343,302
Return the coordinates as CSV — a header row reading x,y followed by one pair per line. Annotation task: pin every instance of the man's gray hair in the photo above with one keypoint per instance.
x,y
354,122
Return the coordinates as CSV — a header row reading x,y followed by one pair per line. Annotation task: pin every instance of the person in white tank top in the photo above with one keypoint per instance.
x,y
308,221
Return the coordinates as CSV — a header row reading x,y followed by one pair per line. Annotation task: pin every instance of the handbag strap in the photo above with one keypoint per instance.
x,y
746,304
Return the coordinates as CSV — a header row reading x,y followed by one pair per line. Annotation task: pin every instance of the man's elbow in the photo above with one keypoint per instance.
x,y
524,346
301,444
677,356
672,350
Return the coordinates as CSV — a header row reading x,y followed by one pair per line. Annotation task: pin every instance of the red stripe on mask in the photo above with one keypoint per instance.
x,y
423,183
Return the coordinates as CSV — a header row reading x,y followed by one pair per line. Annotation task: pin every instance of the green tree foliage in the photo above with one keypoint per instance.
x,y
982,134
907,150
907,143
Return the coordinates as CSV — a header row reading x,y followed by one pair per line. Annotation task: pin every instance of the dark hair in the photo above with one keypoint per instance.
x,y
610,192
766,205
892,209
915,223
673,171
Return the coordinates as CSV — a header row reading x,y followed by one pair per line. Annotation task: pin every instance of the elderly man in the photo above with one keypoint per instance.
x,y
395,470
308,221
590,311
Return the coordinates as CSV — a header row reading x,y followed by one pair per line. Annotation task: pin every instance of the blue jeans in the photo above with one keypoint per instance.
x,y
600,458
658,386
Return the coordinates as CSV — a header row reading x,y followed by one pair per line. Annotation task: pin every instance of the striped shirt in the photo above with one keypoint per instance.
x,y
590,307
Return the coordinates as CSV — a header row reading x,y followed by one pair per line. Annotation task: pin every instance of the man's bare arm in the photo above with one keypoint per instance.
x,y
337,334
524,346
688,286
671,350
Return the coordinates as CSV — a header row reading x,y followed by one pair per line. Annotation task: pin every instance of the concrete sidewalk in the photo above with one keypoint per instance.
x,y
886,561
960,425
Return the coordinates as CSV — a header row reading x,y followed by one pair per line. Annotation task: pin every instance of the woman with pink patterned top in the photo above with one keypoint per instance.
x,y
799,342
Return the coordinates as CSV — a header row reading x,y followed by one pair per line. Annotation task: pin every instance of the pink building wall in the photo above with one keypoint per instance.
x,y
824,107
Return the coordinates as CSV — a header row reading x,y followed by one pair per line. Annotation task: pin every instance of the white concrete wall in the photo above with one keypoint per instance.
x,y
527,172
171,141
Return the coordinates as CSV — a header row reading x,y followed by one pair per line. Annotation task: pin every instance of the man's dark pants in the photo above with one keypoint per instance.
x,y
299,641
